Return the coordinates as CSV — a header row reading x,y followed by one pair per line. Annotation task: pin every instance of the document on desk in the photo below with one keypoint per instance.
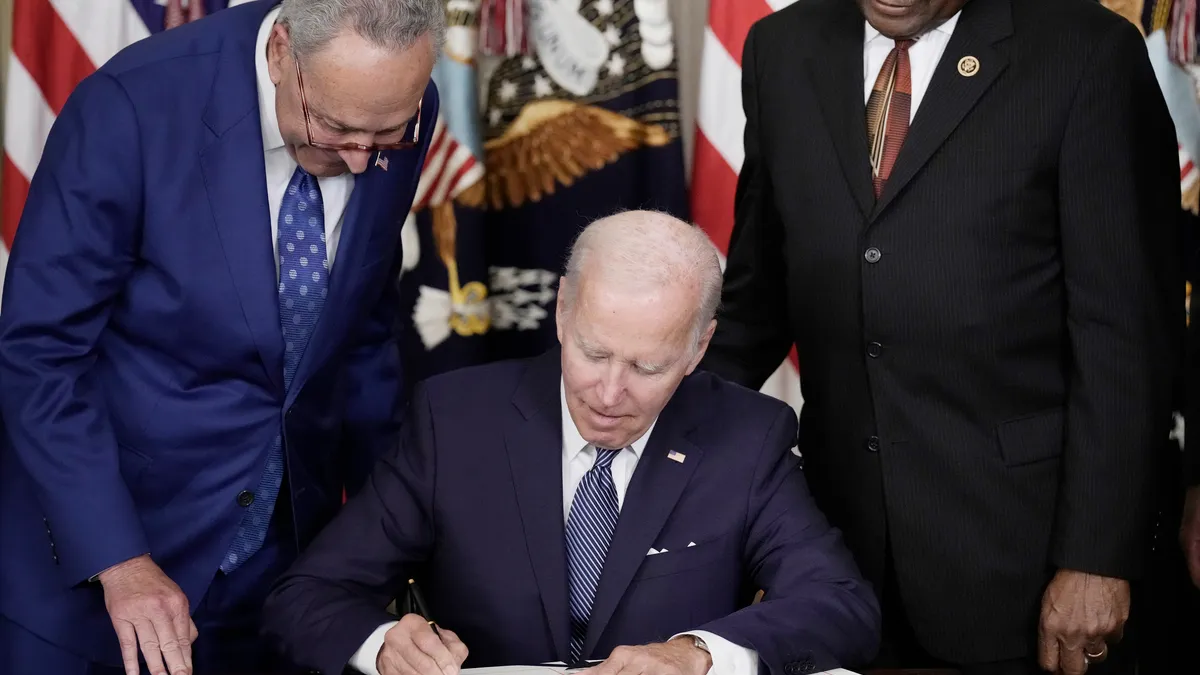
x,y
560,669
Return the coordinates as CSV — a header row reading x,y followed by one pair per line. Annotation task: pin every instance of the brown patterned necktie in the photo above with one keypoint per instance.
x,y
888,111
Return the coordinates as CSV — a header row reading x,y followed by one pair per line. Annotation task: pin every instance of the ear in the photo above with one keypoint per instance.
x,y
279,52
560,308
702,346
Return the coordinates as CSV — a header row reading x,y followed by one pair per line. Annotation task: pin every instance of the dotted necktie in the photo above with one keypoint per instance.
x,y
303,287
590,527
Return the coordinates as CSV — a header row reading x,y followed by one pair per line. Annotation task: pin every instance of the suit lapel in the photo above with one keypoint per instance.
x,y
837,74
534,442
234,178
951,95
658,483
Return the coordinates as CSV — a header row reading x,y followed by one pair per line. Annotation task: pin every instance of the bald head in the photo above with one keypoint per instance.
x,y
645,250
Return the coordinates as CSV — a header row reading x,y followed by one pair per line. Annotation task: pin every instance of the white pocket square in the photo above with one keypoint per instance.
x,y
691,544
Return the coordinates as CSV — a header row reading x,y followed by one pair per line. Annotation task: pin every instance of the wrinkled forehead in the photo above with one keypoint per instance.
x,y
354,82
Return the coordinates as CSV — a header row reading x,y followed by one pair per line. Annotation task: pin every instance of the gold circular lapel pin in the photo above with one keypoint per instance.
x,y
968,66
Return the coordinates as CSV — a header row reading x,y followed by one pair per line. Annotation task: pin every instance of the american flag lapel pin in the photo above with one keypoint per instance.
x,y
381,161
676,456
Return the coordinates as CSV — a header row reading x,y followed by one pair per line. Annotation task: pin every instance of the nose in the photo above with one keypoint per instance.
x,y
612,386
356,160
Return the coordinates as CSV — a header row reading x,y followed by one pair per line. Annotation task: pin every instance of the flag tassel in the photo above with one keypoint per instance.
x,y
503,28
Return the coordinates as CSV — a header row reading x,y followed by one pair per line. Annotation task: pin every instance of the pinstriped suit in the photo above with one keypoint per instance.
x,y
986,350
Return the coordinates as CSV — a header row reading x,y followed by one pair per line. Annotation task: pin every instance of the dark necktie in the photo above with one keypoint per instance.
x,y
590,527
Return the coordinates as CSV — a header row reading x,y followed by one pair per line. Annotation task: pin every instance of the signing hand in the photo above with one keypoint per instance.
x,y
680,656
149,609
1081,613
412,648
1189,533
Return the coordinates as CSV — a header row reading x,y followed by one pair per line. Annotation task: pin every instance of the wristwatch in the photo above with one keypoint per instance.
x,y
700,644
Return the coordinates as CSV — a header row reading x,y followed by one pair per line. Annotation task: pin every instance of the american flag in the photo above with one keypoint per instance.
x,y
720,123
55,44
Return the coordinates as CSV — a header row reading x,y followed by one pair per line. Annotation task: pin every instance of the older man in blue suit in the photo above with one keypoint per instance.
x,y
599,502
197,348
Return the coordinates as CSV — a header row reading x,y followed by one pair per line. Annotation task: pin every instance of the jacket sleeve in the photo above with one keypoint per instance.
x,y
335,596
817,612
75,247
752,336
1119,228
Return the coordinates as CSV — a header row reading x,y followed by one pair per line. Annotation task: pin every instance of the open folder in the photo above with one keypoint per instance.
x,y
561,669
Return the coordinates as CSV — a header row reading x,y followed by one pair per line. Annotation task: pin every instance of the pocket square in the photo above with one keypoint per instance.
x,y
653,552
691,544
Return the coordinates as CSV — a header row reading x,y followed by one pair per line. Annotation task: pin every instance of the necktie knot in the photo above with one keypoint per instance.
x,y
605,457
904,44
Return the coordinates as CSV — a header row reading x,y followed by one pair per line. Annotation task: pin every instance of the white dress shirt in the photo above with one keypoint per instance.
x,y
578,457
923,58
335,191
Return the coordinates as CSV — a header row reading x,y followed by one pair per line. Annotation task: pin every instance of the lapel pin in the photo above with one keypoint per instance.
x,y
968,66
381,161
676,456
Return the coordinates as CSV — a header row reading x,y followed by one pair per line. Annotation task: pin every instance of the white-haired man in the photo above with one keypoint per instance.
x,y
601,501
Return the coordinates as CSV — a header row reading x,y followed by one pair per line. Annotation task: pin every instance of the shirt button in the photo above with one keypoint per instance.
x,y
245,498
874,349
873,444
872,255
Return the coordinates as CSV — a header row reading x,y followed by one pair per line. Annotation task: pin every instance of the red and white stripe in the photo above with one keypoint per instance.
x,y
449,168
55,44
720,123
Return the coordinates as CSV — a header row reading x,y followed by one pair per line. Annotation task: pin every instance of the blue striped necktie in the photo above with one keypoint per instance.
x,y
590,527
303,287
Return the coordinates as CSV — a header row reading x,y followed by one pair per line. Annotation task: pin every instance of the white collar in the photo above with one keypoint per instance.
x,y
573,441
272,139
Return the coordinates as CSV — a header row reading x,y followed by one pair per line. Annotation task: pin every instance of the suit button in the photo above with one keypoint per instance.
x,y
874,349
872,255
873,444
245,498
792,669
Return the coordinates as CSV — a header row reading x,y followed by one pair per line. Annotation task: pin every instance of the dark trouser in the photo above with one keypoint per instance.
x,y
900,648
227,618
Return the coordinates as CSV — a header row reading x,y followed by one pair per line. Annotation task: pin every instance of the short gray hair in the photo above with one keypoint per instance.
x,y
391,24
650,248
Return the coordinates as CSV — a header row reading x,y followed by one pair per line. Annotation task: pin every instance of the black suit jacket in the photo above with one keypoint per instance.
x,y
986,350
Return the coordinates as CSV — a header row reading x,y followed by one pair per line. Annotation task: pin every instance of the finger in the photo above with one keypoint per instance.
x,y
128,639
457,649
169,644
1096,652
390,662
184,628
148,640
416,656
1071,659
1047,650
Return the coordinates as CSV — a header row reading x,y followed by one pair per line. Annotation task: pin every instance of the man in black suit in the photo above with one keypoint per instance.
x,y
970,240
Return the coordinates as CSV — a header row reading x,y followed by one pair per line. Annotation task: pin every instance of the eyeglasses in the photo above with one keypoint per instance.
x,y
412,130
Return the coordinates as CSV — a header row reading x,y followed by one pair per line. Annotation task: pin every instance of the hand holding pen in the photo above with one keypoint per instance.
x,y
417,645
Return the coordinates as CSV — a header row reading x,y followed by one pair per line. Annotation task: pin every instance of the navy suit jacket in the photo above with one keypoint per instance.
x,y
471,503
141,356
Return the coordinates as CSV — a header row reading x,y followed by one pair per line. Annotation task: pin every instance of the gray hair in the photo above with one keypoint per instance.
x,y
391,24
649,248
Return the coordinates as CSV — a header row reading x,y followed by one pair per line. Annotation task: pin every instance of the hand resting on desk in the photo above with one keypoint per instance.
x,y
411,647
680,656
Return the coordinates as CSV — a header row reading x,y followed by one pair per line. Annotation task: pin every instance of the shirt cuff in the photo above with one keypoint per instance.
x,y
727,658
364,659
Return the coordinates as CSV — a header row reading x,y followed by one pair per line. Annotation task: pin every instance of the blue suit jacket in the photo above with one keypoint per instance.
x,y
141,372
471,503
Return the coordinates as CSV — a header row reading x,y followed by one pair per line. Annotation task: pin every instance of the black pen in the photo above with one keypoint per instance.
x,y
422,609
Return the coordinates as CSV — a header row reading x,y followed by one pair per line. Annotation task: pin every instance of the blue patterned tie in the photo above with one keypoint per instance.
x,y
590,527
303,287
